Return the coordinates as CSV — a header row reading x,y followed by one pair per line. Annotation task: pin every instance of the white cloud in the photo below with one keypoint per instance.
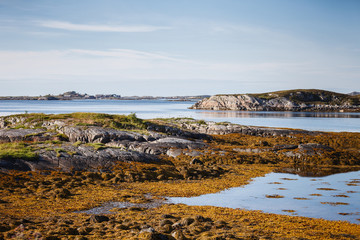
x,y
124,53
99,28
123,64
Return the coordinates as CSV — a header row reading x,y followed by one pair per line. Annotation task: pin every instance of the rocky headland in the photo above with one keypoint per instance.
x,y
55,167
291,100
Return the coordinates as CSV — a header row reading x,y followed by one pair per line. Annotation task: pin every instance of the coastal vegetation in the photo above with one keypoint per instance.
x,y
48,203
122,122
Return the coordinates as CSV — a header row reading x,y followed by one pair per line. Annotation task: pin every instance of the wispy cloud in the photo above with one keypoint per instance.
x,y
126,53
99,27
126,64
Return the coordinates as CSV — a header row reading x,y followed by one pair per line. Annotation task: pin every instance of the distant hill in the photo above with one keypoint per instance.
x,y
288,100
354,93
73,95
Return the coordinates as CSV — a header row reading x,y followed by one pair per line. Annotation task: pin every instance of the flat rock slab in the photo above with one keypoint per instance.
x,y
99,134
84,157
14,135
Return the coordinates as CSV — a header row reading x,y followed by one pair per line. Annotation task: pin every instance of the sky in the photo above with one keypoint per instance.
x,y
178,47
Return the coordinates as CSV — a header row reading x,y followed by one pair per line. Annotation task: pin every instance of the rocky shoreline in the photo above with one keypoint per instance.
x,y
93,147
55,167
292,100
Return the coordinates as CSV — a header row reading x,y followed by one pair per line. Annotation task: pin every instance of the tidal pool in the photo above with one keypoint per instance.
x,y
334,197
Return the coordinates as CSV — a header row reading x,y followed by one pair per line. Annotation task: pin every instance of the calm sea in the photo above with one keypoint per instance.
x,y
334,197
166,109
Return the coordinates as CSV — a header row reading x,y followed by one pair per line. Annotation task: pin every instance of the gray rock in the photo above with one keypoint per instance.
x,y
294,101
147,229
15,135
314,148
226,128
98,134
193,153
162,145
2,123
285,146
174,152
87,158
177,132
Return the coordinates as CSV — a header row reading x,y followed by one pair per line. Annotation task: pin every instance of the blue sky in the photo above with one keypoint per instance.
x,y
178,47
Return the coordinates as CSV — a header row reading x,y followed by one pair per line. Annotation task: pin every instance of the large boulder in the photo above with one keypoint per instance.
x,y
15,135
98,134
85,157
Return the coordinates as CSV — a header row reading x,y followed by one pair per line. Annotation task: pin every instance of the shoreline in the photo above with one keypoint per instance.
x,y
188,158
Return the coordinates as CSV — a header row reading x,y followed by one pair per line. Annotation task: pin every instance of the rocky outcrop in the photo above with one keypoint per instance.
x,y
98,134
92,147
305,100
68,157
162,145
226,128
177,131
14,135
65,145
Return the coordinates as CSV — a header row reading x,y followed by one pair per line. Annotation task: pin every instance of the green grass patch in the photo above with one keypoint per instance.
x,y
17,151
125,122
97,146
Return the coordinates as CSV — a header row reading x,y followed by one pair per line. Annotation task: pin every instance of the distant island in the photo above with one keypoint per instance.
x,y
289,100
73,95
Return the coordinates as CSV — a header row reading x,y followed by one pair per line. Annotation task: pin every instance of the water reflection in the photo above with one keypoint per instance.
x,y
334,197
314,171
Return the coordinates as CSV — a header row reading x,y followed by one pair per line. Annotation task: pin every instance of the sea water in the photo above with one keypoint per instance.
x,y
147,109
334,197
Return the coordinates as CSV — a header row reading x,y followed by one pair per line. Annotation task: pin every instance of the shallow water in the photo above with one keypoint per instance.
x,y
334,197
147,109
